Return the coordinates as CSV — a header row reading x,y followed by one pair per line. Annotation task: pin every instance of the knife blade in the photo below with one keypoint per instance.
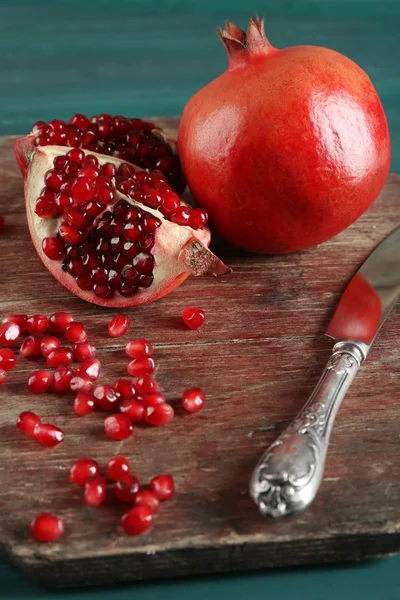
x,y
288,476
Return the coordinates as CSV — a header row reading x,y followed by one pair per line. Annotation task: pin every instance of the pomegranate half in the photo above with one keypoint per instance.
x,y
287,147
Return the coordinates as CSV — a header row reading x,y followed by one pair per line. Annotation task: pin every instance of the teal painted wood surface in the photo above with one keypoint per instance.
x,y
61,57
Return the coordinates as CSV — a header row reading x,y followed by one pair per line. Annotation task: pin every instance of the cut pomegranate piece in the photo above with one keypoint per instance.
x,y
83,469
141,366
158,415
137,520
133,409
125,388
48,435
46,527
163,486
147,498
95,491
127,487
9,333
39,381
118,250
83,351
118,467
140,348
19,319
27,422
89,369
31,346
48,344
146,384
84,402
193,317
62,378
75,332
106,397
37,324
118,427
8,360
152,399
3,376
59,320
193,400
60,356
119,325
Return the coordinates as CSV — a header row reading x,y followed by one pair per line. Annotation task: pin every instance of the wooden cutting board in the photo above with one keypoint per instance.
x,y
257,358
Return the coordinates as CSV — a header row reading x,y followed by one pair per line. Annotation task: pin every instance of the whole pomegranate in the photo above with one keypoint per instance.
x,y
287,147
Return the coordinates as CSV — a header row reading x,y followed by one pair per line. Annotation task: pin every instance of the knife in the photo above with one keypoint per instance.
x,y
287,478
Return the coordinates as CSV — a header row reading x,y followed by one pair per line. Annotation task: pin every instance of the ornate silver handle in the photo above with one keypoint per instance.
x,y
287,478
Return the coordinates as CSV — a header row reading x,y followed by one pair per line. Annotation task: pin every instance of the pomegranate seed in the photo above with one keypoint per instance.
x,y
39,125
193,317
48,435
83,351
118,326
62,379
139,348
39,381
82,189
53,248
26,422
80,121
83,384
82,469
37,324
75,332
89,369
137,520
95,491
193,400
133,409
170,203
152,399
109,170
146,384
147,498
198,218
158,415
118,427
59,320
53,180
8,360
60,356
106,397
84,403
31,346
45,208
118,467
9,332
63,200
46,527
181,216
69,235
75,218
127,487
141,366
19,319
3,376
163,486
77,155
48,344
125,388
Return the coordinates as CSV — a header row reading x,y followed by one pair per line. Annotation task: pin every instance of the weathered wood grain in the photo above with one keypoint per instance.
x,y
257,358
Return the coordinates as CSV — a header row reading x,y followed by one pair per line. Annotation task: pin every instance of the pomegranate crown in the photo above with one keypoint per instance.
x,y
240,45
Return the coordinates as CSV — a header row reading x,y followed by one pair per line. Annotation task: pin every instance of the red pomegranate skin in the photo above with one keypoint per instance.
x,y
286,148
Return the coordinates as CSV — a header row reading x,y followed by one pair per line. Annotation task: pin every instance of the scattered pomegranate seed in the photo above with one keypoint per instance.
x,y
95,491
193,317
127,487
81,384
163,486
37,324
147,498
3,376
83,351
48,435
137,520
118,467
146,384
83,469
125,388
60,356
141,366
118,427
152,399
193,400
62,378
59,320
106,397
19,319
46,527
90,369
158,415
84,403
140,348
118,326
26,422
8,360
39,381
9,333
31,346
48,344
75,332
133,409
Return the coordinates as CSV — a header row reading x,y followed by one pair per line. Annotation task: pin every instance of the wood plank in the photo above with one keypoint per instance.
x,y
257,358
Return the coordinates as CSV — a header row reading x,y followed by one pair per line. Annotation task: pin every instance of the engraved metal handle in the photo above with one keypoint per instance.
x,y
287,478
